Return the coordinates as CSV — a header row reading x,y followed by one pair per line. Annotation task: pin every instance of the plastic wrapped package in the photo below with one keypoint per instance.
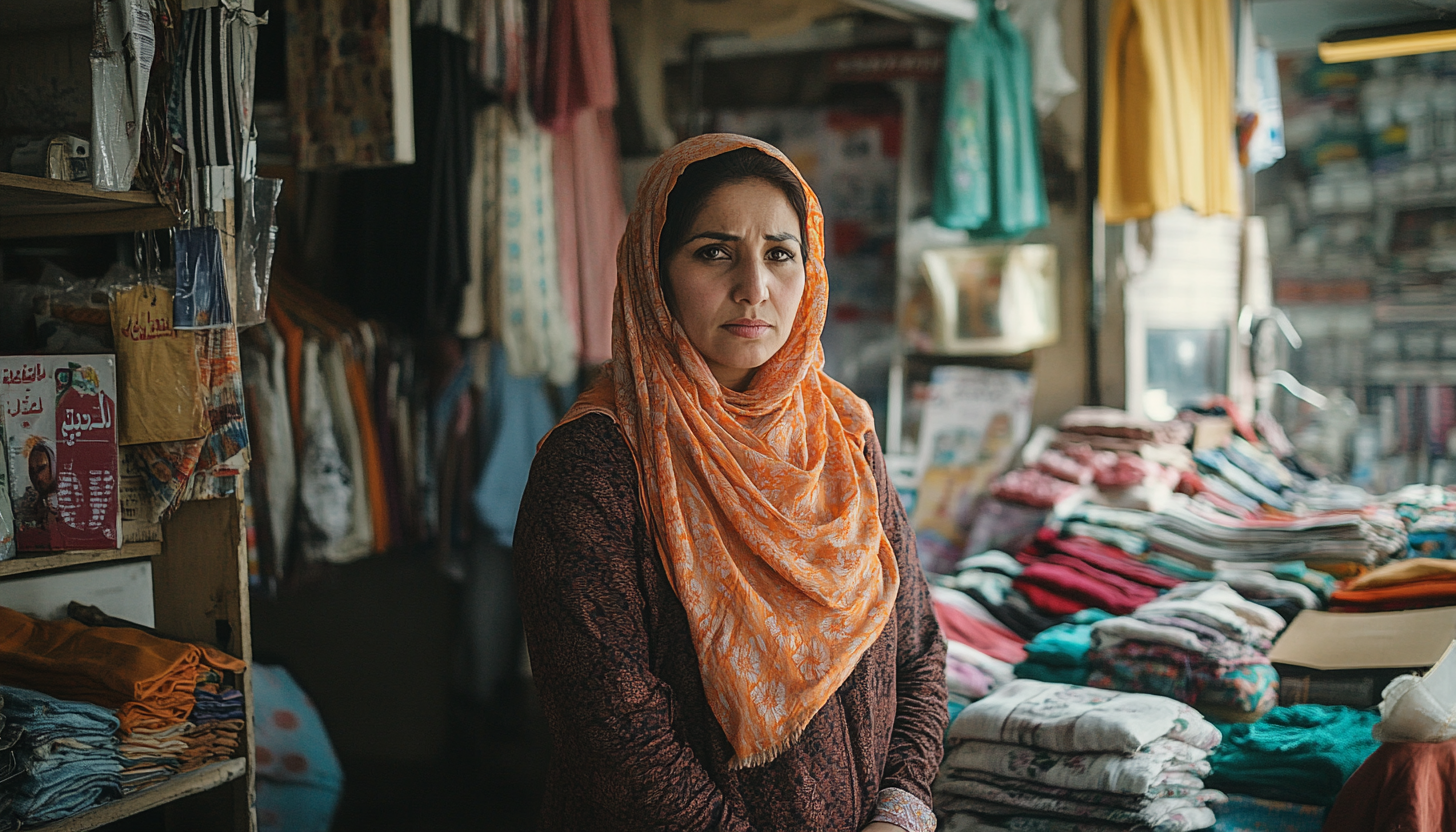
x,y
201,300
123,45
257,237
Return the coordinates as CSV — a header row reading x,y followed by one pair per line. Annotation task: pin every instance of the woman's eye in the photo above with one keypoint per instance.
x,y
713,253
781,254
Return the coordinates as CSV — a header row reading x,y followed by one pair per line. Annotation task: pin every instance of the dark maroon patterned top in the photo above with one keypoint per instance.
x,y
634,743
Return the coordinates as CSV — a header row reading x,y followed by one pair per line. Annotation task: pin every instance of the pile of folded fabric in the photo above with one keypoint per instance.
x,y
1209,539
210,734
61,758
980,652
1064,575
1301,754
1125,529
1201,643
1411,584
986,578
1038,756
1059,654
151,682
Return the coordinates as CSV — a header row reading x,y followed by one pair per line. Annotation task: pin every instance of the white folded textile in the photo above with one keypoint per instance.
x,y
1148,772
1072,718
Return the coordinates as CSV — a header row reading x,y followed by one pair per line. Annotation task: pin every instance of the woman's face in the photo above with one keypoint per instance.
x,y
735,285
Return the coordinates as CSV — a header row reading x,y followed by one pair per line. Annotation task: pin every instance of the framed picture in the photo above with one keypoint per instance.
x,y
993,300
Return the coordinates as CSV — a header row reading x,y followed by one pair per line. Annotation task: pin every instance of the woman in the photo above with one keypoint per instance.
x,y
727,622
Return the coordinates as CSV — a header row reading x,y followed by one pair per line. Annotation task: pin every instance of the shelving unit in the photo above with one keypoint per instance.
x,y
34,207
183,785
199,568
41,562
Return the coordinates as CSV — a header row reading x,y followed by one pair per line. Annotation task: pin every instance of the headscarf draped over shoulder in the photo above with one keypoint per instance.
x,y
763,506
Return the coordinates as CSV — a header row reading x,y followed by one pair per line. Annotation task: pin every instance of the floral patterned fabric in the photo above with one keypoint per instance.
x,y
1071,719
762,502
1166,814
1163,765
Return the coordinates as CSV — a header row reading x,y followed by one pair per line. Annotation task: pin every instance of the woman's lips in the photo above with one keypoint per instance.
x,y
747,328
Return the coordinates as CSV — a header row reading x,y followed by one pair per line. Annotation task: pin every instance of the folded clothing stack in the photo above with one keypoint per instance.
x,y
1205,537
1044,756
1411,584
1201,643
979,651
1059,654
64,758
150,681
1301,754
1064,575
210,735
987,579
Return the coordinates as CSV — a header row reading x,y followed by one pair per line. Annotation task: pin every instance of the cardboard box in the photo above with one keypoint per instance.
x,y
61,449
1347,658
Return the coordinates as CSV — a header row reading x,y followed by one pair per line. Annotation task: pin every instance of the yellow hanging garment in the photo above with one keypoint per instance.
x,y
1167,110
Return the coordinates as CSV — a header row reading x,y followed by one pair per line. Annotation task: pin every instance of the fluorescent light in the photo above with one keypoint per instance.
x,y
1388,41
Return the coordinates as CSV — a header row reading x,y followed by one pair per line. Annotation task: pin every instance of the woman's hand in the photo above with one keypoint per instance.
x,y
881,826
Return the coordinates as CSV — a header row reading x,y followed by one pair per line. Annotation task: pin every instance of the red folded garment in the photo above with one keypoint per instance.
x,y
1117,583
1117,597
1116,561
996,642
1047,600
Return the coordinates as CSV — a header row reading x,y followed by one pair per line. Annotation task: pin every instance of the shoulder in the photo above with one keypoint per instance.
x,y
584,469
589,446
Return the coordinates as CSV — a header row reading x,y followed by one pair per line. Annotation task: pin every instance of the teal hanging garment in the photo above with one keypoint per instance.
x,y
988,177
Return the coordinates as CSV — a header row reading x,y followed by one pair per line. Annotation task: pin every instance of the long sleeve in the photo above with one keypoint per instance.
x,y
918,737
578,550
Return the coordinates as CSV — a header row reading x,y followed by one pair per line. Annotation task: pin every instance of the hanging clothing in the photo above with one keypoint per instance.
x,y
1040,23
590,221
988,177
1168,110
412,220
325,480
767,491
275,470
537,336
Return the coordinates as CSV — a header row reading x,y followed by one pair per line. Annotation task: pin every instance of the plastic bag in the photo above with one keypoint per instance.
x,y
202,300
257,237
121,64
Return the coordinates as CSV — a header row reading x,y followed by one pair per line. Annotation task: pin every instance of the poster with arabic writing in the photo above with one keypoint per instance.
x,y
61,449
156,366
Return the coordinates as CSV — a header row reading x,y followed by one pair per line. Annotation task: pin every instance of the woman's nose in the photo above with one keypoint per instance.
x,y
752,284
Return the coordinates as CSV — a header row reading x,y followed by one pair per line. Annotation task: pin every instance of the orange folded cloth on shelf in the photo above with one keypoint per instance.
x,y
1404,572
148,679
1432,592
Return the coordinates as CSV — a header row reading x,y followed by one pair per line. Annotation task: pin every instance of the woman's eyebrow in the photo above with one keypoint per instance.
x,y
781,238
715,235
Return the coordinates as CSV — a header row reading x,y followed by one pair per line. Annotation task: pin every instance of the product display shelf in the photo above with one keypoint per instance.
x,y
31,206
183,785
43,561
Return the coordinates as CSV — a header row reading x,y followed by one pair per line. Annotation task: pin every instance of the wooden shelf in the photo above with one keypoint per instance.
x,y
31,206
40,562
182,785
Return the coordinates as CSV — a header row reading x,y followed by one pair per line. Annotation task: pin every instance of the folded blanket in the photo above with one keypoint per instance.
x,y
1070,718
1302,753
1247,686
1064,645
967,822
1164,765
1192,787
1167,815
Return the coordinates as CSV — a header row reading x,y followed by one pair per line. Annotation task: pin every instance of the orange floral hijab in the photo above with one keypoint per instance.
x,y
763,506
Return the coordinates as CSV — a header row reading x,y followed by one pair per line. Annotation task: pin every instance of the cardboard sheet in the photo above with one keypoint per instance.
x,y
1354,641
